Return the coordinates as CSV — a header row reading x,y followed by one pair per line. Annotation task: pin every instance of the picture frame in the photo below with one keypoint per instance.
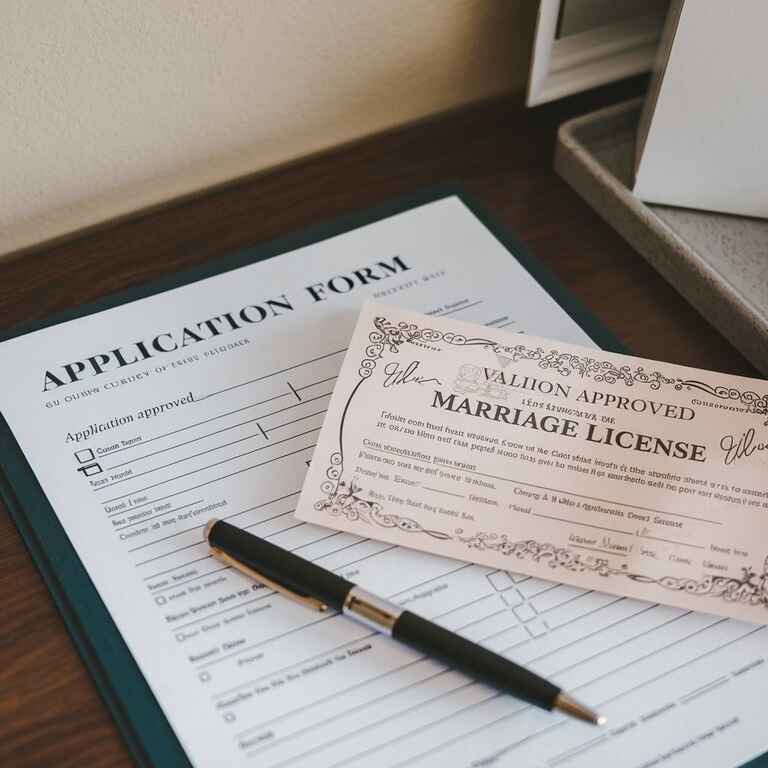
x,y
607,42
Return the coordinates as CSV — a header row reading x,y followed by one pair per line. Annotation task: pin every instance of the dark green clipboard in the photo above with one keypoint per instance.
x,y
138,715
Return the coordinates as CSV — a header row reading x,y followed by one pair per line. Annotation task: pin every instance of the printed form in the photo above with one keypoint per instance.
x,y
143,421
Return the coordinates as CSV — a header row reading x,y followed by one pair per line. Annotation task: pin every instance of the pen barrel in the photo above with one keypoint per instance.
x,y
296,574
474,660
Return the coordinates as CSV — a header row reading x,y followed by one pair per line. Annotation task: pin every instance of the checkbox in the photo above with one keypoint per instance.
x,y
84,455
160,600
500,580
512,598
536,628
91,469
524,612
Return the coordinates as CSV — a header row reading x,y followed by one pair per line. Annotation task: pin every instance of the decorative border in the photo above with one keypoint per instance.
x,y
751,588
342,498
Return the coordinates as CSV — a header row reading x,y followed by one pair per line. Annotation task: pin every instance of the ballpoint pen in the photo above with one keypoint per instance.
x,y
314,587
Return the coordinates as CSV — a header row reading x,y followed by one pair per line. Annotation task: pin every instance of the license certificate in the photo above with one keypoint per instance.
x,y
605,471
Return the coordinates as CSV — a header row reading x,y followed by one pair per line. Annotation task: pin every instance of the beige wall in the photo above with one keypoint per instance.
x,y
107,107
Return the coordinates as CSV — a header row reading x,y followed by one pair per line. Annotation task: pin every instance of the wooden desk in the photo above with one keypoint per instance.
x,y
50,713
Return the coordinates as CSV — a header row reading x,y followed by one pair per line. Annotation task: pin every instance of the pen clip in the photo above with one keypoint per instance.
x,y
305,600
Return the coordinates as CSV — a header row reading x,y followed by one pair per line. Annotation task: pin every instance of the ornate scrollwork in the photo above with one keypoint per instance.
x,y
751,588
587,367
391,336
344,499
754,402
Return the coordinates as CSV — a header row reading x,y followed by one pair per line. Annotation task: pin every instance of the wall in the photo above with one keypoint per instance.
x,y
108,107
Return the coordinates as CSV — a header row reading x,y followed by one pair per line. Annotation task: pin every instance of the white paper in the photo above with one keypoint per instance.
x,y
247,678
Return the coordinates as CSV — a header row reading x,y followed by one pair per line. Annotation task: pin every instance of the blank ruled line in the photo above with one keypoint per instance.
x,y
441,696
293,389
178,627
440,490
341,549
176,567
704,689
255,419
271,535
677,543
569,754
274,373
560,491
227,517
195,471
269,640
189,442
198,424
301,418
601,551
332,696
315,383
460,309
280,670
201,542
645,632
434,578
166,538
668,672
224,477
381,551
199,576
651,654
317,541
383,697
154,517
180,584
585,525
592,633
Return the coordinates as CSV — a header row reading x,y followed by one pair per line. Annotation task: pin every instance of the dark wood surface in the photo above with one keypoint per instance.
x,y
50,712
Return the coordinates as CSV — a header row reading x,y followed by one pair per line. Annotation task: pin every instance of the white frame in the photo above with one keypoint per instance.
x,y
587,59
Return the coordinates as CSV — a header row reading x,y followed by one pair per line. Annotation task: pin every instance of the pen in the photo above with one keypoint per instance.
x,y
314,587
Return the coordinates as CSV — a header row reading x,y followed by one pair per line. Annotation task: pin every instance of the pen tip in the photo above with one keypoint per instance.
x,y
208,527
569,706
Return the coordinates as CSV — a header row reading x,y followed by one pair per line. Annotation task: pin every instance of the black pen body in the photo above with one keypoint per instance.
x,y
296,574
304,578
474,660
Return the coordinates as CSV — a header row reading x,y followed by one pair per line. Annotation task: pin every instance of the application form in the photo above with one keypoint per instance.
x,y
143,421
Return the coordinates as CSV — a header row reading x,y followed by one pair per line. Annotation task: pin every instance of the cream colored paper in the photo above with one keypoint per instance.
x,y
604,471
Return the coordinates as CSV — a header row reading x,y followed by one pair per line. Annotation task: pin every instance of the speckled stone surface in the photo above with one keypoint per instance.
x,y
718,262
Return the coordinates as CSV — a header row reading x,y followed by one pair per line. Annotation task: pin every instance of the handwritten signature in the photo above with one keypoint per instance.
x,y
394,374
741,447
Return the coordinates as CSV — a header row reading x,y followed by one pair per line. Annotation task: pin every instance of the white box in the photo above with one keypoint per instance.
x,y
703,140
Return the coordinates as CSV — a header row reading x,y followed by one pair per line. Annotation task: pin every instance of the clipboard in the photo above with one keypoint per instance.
x,y
136,711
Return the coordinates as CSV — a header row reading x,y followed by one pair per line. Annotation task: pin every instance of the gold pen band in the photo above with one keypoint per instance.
x,y
305,600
